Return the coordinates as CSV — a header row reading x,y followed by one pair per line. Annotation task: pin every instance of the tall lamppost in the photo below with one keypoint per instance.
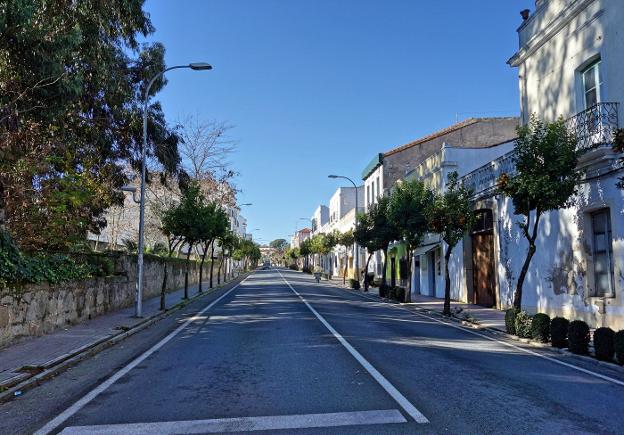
x,y
197,66
356,248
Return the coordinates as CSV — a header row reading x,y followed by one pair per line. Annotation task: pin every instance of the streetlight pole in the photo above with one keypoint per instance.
x,y
356,248
138,307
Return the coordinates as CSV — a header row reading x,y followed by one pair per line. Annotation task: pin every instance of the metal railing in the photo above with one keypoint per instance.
x,y
594,127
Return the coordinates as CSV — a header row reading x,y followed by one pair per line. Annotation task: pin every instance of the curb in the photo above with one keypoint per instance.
x,y
544,346
16,385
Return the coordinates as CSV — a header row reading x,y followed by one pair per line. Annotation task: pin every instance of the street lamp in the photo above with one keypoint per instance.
x,y
247,203
197,66
355,245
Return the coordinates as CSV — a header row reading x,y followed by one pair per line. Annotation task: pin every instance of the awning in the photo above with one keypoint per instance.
x,y
421,250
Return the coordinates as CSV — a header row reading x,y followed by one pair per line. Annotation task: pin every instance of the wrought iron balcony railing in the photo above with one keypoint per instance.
x,y
484,179
595,126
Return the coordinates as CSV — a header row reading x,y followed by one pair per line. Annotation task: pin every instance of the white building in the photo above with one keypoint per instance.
x,y
570,55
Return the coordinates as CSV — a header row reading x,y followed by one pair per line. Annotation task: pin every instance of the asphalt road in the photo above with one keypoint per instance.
x,y
282,353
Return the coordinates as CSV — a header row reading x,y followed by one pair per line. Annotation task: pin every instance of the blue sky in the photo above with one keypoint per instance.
x,y
319,86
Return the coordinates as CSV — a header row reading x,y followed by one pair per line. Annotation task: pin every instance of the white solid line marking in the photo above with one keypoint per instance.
x,y
62,417
530,352
244,424
385,384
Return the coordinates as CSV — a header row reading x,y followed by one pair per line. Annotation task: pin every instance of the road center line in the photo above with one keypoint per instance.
x,y
381,380
244,424
69,412
513,346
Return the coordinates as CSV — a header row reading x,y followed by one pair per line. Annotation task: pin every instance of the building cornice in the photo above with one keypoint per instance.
x,y
540,38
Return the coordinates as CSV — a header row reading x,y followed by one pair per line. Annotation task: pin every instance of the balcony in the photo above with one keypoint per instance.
x,y
595,127
483,179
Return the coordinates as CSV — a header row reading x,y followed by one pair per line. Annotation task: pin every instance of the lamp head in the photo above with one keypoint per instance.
x,y
332,176
200,66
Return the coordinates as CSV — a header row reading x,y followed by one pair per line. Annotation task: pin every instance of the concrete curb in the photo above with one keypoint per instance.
x,y
543,346
26,381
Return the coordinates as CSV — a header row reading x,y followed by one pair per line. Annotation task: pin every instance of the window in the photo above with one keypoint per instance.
x,y
602,253
368,195
378,187
373,193
591,85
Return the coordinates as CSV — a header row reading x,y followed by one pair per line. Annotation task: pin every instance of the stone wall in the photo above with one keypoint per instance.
x,y
41,308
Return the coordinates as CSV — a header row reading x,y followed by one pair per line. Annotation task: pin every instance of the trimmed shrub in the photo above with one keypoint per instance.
x,y
523,324
618,346
293,266
540,327
578,337
391,292
603,343
559,332
306,269
354,284
510,320
383,291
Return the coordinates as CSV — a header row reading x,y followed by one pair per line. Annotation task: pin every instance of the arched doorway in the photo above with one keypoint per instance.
x,y
484,281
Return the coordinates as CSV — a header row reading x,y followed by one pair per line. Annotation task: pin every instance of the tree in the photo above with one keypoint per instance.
x,y
72,75
172,229
190,223
407,211
305,249
248,252
227,241
211,223
347,240
451,216
545,179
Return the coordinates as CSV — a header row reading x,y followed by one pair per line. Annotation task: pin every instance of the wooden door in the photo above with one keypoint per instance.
x,y
484,282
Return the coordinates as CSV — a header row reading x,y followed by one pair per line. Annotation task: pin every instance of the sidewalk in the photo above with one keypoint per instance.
x,y
32,354
485,317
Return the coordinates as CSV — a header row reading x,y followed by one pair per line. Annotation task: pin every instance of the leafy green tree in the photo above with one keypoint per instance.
x,y
407,210
305,250
279,244
212,223
346,240
227,241
451,216
546,179
72,75
190,222
172,228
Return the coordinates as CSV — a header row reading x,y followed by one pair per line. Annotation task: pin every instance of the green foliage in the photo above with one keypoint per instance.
x,y
279,244
408,209
578,337
354,284
618,345
523,323
540,327
559,332
510,320
72,78
451,213
17,268
546,179
604,344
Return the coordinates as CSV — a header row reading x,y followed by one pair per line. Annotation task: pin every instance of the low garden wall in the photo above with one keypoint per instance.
x,y
36,309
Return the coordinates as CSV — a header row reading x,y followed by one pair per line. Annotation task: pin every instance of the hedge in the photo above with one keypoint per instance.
x,y
540,327
618,346
578,337
523,323
604,343
559,332
510,320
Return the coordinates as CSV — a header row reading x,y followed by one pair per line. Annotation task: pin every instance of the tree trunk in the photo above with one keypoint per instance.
x,y
408,287
384,281
447,282
163,288
186,272
517,301
211,261
346,263
220,267
365,280
201,268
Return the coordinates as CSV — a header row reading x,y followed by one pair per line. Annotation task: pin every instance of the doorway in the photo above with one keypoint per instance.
x,y
483,277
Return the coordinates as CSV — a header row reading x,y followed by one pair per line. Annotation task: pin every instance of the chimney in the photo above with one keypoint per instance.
x,y
525,14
